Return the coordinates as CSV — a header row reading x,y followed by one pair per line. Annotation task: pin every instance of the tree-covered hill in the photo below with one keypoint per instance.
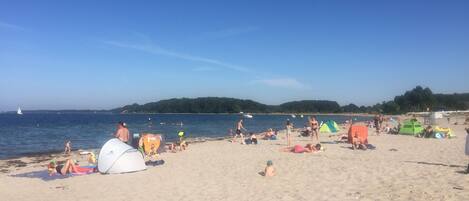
x,y
415,100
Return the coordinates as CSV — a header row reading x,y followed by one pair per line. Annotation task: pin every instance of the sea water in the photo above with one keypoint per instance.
x,y
36,133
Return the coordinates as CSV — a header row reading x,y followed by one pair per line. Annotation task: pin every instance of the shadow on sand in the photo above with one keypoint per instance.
x,y
437,164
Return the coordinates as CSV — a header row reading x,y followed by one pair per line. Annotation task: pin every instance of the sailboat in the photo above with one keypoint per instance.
x,y
249,116
19,112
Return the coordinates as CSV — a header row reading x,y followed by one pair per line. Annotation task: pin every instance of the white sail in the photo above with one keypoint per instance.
x,y
249,116
19,111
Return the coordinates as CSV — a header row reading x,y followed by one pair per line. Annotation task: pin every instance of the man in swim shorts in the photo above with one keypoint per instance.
x,y
239,126
122,132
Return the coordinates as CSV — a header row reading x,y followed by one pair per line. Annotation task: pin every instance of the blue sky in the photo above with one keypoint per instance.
x,y
101,55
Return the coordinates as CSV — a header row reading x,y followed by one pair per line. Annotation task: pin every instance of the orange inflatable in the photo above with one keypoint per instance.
x,y
358,131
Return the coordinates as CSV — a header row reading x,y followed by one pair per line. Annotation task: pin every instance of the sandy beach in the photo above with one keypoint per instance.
x,y
400,168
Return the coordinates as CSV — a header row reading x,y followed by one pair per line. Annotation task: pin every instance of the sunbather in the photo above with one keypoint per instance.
x,y
67,168
342,138
309,148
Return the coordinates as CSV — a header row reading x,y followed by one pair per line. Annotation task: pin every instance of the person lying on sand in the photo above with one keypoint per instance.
x,y
343,138
309,148
269,169
68,167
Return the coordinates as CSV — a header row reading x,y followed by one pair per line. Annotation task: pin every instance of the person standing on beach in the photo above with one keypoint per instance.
x,y
314,128
289,127
467,148
377,125
239,126
122,132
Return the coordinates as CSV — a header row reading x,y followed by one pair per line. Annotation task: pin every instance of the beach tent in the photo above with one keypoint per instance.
x,y
118,157
329,127
411,127
359,131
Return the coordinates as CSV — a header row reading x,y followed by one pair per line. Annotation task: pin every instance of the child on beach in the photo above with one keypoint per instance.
x,y
269,169
289,127
253,138
67,147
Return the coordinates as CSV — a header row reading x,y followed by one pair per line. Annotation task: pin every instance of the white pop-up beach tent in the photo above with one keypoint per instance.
x,y
118,157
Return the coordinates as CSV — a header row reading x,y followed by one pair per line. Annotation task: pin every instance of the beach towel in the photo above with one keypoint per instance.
x,y
44,174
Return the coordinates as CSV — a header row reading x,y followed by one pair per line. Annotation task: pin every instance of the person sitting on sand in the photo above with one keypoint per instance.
x,y
67,147
269,169
306,131
269,135
253,138
309,148
357,143
427,132
173,146
67,168
183,145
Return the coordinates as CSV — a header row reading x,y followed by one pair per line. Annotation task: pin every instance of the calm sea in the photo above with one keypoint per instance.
x,y
41,133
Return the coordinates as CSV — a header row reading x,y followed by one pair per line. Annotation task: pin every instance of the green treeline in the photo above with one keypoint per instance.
x,y
415,100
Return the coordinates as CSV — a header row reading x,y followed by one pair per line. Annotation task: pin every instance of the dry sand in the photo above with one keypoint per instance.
x,y
420,169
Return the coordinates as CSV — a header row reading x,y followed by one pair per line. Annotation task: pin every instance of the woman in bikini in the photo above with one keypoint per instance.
x,y
298,149
67,168
314,129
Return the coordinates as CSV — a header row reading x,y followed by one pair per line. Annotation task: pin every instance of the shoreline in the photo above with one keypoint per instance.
x,y
54,153
153,113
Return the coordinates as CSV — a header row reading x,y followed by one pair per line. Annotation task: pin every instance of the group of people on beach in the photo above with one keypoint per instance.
x,y
312,129
122,133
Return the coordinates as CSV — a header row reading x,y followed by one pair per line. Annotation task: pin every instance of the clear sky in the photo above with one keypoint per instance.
x,y
105,54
